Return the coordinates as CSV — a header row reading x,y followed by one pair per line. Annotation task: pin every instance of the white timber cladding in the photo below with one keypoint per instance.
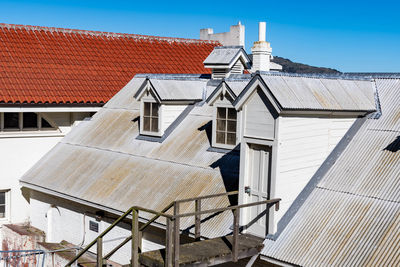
x,y
20,150
220,73
259,122
169,113
62,220
237,67
303,144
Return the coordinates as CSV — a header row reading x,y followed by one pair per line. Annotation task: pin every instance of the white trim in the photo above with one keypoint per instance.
x,y
7,209
214,128
142,132
49,109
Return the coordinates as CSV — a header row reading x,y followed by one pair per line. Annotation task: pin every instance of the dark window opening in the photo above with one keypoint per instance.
x,y
11,120
2,204
150,117
29,120
226,126
45,124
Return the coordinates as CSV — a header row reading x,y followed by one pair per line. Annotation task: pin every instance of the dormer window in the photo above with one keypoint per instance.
x,y
226,126
150,117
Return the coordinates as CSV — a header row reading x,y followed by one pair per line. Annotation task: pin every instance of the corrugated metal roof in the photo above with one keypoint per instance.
x,y
302,92
102,162
179,89
224,55
353,215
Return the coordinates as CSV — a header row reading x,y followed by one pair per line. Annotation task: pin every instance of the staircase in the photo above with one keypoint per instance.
x,y
223,249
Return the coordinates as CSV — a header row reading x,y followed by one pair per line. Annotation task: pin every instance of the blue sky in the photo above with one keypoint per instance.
x,y
351,36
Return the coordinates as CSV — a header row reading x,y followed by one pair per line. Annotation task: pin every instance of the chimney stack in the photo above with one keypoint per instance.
x,y
261,51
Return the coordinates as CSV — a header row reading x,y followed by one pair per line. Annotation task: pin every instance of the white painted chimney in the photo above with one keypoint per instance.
x,y
261,51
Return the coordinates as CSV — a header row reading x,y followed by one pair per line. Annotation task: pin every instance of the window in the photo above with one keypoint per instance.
x,y
226,126
4,204
23,121
150,117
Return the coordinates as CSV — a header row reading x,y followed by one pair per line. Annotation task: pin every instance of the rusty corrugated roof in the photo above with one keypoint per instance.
x,y
352,217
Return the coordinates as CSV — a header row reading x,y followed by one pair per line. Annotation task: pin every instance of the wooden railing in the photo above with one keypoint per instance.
x,y
172,237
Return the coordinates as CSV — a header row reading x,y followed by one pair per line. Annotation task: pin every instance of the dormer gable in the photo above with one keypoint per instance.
x,y
163,100
227,60
223,94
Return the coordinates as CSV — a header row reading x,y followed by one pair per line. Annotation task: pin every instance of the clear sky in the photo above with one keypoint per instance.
x,y
351,36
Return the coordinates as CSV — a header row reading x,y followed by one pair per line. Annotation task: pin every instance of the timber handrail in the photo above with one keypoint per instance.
x,y
123,216
172,228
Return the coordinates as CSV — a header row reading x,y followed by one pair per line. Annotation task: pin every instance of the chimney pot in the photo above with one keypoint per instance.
x,y
261,31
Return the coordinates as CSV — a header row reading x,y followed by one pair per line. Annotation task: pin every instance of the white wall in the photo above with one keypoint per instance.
x,y
169,114
19,151
303,145
72,225
259,122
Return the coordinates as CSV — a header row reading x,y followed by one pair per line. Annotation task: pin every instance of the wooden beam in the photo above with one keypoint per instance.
x,y
100,251
197,220
176,235
169,244
135,239
235,241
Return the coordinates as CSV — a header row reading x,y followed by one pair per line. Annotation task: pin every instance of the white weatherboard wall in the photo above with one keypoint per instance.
x,y
170,113
303,145
259,122
19,151
70,222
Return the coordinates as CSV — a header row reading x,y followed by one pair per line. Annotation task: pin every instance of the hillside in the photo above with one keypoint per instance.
x,y
294,67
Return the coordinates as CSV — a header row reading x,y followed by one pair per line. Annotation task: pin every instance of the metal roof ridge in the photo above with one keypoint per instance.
x,y
341,76
106,34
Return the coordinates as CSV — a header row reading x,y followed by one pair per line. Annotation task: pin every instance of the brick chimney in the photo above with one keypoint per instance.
x,y
261,51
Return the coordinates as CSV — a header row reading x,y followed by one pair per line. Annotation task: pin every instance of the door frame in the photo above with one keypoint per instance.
x,y
244,174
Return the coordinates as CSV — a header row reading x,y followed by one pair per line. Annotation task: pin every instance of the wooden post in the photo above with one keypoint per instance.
x,y
140,241
100,251
197,220
235,243
135,239
176,235
168,244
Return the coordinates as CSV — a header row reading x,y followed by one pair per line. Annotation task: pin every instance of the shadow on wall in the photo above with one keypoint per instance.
x,y
228,165
394,146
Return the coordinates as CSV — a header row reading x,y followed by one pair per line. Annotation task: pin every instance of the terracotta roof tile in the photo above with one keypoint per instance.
x,y
53,65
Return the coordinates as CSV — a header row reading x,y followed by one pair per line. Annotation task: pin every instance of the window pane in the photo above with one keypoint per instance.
x,y
29,120
221,125
221,113
147,109
11,120
45,124
154,124
221,137
154,111
146,123
2,198
231,114
231,139
2,211
232,126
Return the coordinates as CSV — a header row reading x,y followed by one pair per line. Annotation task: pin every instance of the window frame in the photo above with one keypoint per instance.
x,y
150,133
22,129
7,204
214,127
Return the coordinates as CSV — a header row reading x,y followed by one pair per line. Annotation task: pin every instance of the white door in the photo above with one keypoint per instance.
x,y
257,189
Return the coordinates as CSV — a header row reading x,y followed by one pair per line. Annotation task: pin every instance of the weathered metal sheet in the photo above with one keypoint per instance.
x,y
237,86
102,162
352,217
179,89
313,93
222,56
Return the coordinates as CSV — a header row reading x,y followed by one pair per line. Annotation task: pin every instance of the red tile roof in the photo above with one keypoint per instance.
x,y
53,65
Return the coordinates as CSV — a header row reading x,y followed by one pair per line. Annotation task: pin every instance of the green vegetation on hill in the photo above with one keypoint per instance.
x,y
293,67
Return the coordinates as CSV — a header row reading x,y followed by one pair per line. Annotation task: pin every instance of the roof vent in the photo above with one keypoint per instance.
x,y
227,60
